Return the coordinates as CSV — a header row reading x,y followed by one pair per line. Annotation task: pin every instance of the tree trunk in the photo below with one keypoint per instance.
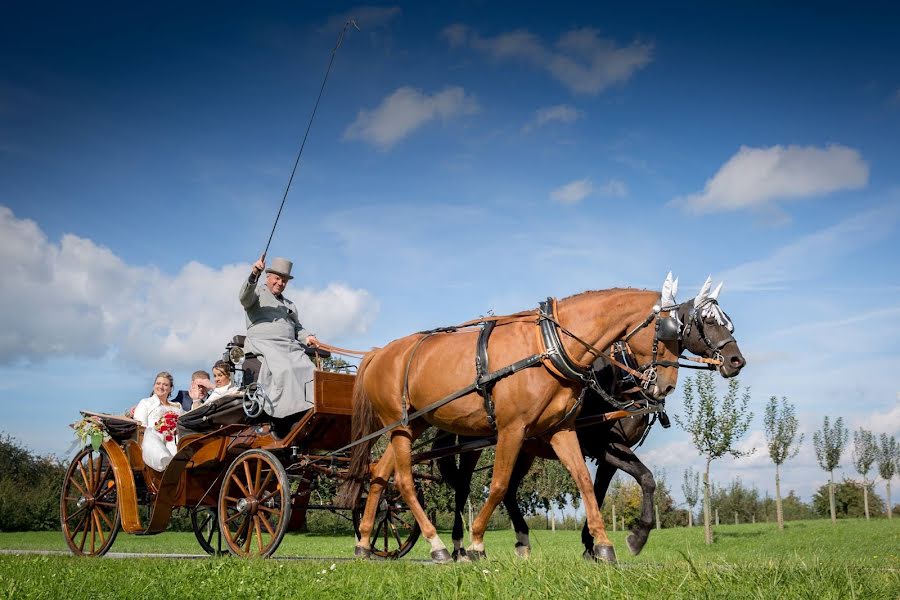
x,y
735,518
707,530
866,498
614,517
656,508
831,497
779,512
691,517
890,507
552,521
717,516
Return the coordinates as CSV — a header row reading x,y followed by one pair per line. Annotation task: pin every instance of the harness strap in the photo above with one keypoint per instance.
x,y
481,370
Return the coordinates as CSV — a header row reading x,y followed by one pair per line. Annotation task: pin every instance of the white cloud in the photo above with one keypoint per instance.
x,y
613,189
561,113
886,422
406,110
573,192
758,177
581,59
78,299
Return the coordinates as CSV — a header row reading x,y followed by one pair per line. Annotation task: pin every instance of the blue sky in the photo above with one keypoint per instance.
x,y
466,157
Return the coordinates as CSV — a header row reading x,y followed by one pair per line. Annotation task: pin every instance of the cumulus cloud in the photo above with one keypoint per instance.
x,y
561,113
581,59
406,110
573,192
78,299
759,177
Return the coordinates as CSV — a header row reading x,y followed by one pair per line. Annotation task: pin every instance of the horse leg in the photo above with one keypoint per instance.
x,y
622,457
565,444
507,450
462,488
401,440
521,468
380,476
605,473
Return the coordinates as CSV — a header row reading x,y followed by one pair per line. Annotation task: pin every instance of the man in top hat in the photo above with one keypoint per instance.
x,y
274,331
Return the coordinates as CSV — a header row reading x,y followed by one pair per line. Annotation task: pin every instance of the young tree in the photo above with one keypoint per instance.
x,y
848,499
865,449
691,488
781,428
715,426
829,444
888,456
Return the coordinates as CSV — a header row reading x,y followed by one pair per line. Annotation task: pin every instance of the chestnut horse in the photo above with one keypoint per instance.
x,y
704,331
422,369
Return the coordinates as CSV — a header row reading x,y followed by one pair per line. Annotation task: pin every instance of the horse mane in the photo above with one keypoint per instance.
x,y
605,292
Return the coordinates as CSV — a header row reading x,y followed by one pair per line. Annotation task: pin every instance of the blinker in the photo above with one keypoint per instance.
x,y
669,329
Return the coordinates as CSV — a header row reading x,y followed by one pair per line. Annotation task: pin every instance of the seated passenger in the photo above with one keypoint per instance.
x,y
158,446
274,331
200,386
222,376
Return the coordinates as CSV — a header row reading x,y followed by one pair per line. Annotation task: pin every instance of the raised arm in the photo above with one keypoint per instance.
x,y
249,296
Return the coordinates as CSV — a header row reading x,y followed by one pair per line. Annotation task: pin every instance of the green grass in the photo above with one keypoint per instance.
x,y
811,559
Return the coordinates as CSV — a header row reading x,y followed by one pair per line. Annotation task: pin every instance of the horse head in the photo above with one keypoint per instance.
x,y
702,327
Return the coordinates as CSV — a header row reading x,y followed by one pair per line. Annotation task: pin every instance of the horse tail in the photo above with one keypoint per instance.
x,y
363,423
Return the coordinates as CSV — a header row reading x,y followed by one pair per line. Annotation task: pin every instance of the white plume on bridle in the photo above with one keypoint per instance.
x,y
705,301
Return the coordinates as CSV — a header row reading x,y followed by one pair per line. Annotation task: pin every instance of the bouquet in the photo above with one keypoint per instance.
x,y
166,426
91,429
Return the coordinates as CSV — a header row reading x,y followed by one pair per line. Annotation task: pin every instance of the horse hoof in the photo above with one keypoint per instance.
x,y
476,554
459,555
588,555
441,556
605,554
523,551
635,543
360,552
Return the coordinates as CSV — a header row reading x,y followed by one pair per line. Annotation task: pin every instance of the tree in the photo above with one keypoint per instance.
x,y
737,499
781,428
715,427
848,499
888,456
865,449
691,489
829,444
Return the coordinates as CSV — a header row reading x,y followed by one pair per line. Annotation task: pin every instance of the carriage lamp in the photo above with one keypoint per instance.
x,y
236,355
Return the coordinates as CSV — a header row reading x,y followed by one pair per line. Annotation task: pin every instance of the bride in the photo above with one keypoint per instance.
x,y
158,446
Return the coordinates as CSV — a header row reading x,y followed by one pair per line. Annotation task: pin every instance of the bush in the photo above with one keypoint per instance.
x,y
29,488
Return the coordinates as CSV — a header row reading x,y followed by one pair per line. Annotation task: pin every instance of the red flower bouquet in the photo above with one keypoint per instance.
x,y
166,426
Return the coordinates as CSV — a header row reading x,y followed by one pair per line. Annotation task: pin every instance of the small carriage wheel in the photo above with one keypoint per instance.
x,y
89,504
205,523
395,531
254,504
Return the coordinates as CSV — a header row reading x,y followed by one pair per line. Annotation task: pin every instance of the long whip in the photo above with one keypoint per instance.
x,y
340,41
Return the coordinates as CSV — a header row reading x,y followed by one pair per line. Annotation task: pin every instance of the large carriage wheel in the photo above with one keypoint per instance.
x,y
254,504
205,523
396,530
89,504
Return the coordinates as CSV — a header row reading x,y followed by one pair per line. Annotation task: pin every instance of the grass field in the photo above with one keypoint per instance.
x,y
811,559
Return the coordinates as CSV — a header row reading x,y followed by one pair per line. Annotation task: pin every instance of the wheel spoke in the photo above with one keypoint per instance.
x,y
84,479
76,513
246,547
232,499
249,478
233,517
268,496
265,482
259,542
274,511
396,535
99,527
235,479
106,519
91,470
268,527
256,487
75,483
105,504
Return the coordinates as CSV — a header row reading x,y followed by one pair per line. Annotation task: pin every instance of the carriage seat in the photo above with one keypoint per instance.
x,y
225,410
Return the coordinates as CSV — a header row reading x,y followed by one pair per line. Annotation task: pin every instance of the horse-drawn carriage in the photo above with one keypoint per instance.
x,y
244,481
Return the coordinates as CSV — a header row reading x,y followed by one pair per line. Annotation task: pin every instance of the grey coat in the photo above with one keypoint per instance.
x,y
274,331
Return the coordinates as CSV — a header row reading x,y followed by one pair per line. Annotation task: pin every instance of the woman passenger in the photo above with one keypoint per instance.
x,y
222,376
158,446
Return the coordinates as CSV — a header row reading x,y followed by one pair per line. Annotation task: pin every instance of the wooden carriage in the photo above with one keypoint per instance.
x,y
243,484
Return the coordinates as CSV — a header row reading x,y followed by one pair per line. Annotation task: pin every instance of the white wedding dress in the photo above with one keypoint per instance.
x,y
156,451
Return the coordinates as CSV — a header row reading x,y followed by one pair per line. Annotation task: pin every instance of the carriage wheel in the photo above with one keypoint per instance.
x,y
254,504
396,530
89,504
205,523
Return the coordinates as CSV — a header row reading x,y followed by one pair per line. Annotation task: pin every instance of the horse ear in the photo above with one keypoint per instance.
x,y
667,298
715,292
703,294
675,290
